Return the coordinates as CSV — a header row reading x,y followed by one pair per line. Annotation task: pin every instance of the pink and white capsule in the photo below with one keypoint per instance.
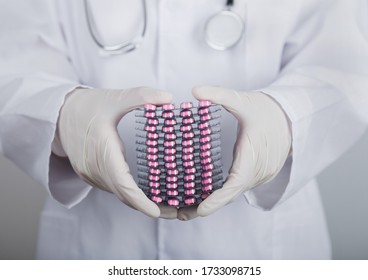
x,y
153,184
172,192
155,171
186,105
204,103
207,188
188,164
171,179
205,139
150,128
169,158
205,118
152,121
189,185
170,136
171,186
152,150
167,114
170,165
206,174
168,106
190,191
172,172
152,136
205,154
150,114
155,191
188,135
150,107
169,144
170,151
154,164
186,143
190,177
156,199
205,161
152,157
187,157
189,201
206,181
203,125
173,202
205,147
186,113
185,128
188,150
154,178
191,170
170,122
208,167
151,143
168,129
205,132
188,121
203,111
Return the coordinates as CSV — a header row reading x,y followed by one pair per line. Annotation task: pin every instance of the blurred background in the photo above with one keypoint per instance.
x,y
344,188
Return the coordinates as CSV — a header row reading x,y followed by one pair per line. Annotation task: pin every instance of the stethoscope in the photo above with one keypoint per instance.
x,y
222,31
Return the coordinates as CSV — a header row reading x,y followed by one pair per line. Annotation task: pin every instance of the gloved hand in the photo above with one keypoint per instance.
x,y
261,149
88,135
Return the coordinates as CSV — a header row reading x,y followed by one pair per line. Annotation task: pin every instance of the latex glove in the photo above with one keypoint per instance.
x,y
88,135
261,149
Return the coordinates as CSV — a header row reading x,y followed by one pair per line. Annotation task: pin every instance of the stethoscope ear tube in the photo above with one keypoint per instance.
x,y
122,48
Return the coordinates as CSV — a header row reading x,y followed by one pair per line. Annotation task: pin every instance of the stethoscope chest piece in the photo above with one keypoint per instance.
x,y
224,30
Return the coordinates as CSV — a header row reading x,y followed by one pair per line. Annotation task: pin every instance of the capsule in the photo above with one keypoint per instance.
x,y
205,154
151,121
188,164
206,181
168,129
187,121
150,107
204,103
189,201
170,122
155,171
189,185
155,191
167,114
169,158
190,191
207,188
188,135
153,177
189,177
191,170
152,157
203,125
208,167
186,113
168,106
152,150
205,161
205,147
172,172
205,118
154,164
204,139
170,151
169,144
205,132
187,157
206,174
186,105
171,179
171,186
170,136
153,136
156,199
153,184
173,202
150,114
185,128
188,150
186,143
172,192
151,143
170,165
203,111
150,128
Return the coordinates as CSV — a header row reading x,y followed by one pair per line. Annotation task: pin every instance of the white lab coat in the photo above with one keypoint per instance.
x,y
310,56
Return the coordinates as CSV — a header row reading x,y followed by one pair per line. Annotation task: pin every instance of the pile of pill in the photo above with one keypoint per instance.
x,y
178,152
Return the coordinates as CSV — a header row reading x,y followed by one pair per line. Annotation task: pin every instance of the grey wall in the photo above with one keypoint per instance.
x,y
344,188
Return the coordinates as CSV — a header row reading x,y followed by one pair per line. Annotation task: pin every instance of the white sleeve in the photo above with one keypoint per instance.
x,y
323,88
35,76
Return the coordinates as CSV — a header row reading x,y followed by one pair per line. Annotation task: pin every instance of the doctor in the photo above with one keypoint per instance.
x,y
71,71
